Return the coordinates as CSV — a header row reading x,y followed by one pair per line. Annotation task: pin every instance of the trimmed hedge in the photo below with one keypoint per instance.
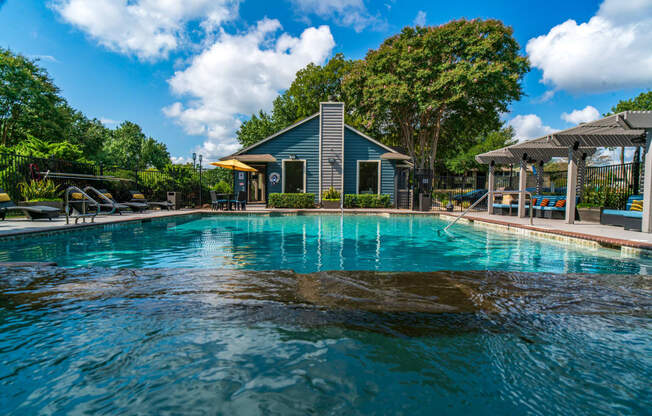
x,y
366,201
291,201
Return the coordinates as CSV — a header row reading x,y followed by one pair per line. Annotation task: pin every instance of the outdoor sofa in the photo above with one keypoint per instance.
x,y
629,218
33,213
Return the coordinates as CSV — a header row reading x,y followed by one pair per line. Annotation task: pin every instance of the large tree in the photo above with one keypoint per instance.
x,y
429,85
29,99
131,149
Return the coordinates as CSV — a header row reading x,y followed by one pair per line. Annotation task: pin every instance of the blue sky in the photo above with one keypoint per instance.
x,y
189,74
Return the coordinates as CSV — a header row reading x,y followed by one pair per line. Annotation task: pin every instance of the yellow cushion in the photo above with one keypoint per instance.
x,y
636,206
108,195
4,198
76,195
138,196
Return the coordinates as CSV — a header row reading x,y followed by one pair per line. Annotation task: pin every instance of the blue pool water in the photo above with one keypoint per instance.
x,y
315,243
204,315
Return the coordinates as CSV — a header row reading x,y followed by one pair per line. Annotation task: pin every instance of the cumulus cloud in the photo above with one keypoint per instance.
x,y
588,113
420,19
239,74
610,51
108,121
529,126
149,29
351,13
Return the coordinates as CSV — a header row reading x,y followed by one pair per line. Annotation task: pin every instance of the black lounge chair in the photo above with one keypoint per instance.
x,y
81,205
139,198
119,206
36,212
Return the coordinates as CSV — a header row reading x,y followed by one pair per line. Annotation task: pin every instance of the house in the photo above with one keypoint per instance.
x,y
320,152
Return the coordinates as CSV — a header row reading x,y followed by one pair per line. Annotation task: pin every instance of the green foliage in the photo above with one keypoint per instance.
x,y
641,102
255,129
464,159
222,187
130,148
427,84
32,146
291,200
366,201
43,190
607,197
331,195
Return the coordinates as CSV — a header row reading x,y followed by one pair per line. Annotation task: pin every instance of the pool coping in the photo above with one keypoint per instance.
x,y
627,247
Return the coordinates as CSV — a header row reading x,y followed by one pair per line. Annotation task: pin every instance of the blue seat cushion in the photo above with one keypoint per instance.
x,y
554,208
501,206
614,211
633,214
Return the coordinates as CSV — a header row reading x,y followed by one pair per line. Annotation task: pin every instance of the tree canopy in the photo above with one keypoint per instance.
x,y
437,85
36,120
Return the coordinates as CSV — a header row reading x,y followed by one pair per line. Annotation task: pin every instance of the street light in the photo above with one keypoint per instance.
x,y
200,187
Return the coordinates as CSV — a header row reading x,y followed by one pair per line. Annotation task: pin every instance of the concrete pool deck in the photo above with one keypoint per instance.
x,y
584,233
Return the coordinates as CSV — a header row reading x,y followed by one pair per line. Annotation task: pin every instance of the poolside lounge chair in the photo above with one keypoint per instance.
x,y
33,212
139,198
119,206
629,218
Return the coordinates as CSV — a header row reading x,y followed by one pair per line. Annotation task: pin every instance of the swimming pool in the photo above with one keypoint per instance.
x,y
314,243
204,315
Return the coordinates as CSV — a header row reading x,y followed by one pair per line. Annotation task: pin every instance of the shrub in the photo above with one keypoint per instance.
x,y
366,201
43,190
611,198
291,200
331,195
222,187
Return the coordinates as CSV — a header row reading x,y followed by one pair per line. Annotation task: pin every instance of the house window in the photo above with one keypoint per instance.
x,y
294,176
369,176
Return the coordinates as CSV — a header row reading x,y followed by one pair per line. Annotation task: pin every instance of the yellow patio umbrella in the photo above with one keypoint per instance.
x,y
234,164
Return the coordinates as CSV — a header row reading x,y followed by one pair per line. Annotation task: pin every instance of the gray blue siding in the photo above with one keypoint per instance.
x,y
302,141
357,148
332,125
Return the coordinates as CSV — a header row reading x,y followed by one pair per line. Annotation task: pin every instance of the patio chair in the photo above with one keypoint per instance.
x,y
139,198
217,202
33,213
240,202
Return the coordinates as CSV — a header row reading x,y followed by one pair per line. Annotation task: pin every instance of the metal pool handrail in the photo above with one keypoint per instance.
x,y
491,202
83,215
104,197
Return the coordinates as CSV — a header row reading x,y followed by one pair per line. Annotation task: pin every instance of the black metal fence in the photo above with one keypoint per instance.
x,y
185,180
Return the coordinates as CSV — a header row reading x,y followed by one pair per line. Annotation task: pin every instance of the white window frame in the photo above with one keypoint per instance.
x,y
357,186
283,173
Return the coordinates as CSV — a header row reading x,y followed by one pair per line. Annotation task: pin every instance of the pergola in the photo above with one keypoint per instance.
x,y
626,129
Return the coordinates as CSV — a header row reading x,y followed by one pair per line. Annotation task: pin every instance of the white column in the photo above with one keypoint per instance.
x,y
646,225
522,183
539,178
491,186
571,187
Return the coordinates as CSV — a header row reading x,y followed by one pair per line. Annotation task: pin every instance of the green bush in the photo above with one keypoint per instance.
x,y
43,190
331,195
610,198
222,187
366,201
291,200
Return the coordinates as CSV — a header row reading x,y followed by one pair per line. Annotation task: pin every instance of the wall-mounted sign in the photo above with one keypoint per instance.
x,y
241,175
274,178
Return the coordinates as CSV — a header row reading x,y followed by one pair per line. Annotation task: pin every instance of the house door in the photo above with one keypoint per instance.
x,y
402,188
256,184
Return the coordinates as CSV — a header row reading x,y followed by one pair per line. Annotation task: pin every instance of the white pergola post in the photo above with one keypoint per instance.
x,y
491,186
539,178
522,183
571,187
646,225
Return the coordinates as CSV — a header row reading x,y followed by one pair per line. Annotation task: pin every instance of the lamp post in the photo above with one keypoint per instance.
x,y
200,187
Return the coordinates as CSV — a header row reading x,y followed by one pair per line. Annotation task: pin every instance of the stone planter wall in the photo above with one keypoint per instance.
x,y
589,214
330,204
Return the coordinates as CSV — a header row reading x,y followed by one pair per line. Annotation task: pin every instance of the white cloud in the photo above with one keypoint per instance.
x,y
610,51
48,58
420,19
352,13
149,29
529,126
239,74
588,113
108,121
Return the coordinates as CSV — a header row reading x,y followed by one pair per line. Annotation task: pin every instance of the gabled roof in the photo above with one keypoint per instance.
x,y
298,123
